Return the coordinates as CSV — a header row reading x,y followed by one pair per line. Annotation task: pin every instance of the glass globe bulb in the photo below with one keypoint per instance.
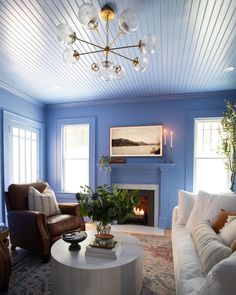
x,y
149,44
70,56
88,16
128,21
65,34
106,71
94,70
141,63
118,72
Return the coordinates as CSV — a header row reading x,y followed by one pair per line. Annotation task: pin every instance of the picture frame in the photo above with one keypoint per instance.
x,y
136,141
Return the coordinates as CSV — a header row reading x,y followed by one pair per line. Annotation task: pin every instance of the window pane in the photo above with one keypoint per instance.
x,y
25,153
15,131
15,151
22,160
22,133
34,136
211,175
28,159
34,162
76,174
76,157
76,141
210,172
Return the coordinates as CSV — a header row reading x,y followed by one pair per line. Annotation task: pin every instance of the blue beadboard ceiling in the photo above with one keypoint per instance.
x,y
196,42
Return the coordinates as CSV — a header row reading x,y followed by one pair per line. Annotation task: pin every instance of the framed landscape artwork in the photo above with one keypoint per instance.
x,y
136,141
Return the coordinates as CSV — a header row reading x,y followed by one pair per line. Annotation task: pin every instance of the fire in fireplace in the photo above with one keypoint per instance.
x,y
144,213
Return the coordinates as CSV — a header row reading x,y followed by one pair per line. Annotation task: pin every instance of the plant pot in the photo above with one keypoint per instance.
x,y
103,229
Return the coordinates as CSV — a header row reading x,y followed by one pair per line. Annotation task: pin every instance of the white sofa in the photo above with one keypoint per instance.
x,y
190,277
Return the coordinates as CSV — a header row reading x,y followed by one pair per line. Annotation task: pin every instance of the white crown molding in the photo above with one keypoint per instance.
x,y
218,94
20,94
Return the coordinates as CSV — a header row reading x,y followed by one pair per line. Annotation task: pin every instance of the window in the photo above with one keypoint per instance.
x,y
75,154
23,149
75,157
210,173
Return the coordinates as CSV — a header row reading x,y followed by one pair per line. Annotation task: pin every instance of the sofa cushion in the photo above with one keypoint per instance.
x,y
59,224
209,246
221,219
228,233
207,207
43,202
221,279
187,265
186,202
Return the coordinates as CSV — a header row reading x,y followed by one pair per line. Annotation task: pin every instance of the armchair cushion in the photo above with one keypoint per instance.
x,y
62,223
18,195
43,202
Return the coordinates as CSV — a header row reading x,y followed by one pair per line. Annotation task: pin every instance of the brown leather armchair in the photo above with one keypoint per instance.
x,y
5,265
33,230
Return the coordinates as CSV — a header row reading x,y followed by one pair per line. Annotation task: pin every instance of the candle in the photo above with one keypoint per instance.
x,y
164,136
171,139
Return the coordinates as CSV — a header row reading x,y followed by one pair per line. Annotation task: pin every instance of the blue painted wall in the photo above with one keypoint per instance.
x,y
175,115
22,107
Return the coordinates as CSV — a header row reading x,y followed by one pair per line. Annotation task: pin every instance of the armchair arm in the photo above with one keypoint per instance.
x,y
69,208
72,209
28,230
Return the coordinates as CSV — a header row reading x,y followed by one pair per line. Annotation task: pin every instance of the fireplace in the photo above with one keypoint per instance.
x,y
147,212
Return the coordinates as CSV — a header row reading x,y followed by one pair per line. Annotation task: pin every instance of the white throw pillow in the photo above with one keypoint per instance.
x,y
209,246
202,233
43,202
228,233
186,202
208,206
221,279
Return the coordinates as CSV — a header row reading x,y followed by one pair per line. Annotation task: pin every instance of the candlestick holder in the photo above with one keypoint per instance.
x,y
170,155
164,153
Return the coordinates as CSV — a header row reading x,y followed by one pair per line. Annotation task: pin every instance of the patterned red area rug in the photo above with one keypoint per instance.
x,y
32,277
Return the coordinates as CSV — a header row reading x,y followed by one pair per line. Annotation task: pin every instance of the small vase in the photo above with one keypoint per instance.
x,y
103,229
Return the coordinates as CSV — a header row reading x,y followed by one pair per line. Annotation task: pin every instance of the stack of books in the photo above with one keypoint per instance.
x,y
104,252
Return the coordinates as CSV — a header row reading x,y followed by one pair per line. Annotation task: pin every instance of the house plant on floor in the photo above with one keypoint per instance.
x,y
106,204
228,139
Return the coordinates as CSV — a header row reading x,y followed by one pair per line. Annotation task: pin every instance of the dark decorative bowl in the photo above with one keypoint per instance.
x,y
74,238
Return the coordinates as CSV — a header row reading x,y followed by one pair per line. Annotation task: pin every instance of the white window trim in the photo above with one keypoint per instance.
x,y
9,120
59,173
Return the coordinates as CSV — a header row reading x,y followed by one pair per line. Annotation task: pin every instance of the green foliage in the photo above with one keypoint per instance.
x,y
107,203
105,163
228,139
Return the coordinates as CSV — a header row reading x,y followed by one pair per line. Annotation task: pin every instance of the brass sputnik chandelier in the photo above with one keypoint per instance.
x,y
105,69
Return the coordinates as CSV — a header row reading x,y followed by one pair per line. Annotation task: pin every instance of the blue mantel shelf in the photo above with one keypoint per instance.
x,y
143,165
157,173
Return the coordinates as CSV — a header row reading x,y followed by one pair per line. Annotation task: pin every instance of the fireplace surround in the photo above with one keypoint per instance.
x,y
143,188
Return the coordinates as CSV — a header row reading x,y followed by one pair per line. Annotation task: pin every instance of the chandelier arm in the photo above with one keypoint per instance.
x,y
92,52
95,45
121,55
124,47
116,37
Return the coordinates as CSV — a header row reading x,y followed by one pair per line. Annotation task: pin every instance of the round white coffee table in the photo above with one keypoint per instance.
x,y
75,273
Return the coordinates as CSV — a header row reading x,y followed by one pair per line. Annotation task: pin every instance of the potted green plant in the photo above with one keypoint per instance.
x,y
106,204
228,139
